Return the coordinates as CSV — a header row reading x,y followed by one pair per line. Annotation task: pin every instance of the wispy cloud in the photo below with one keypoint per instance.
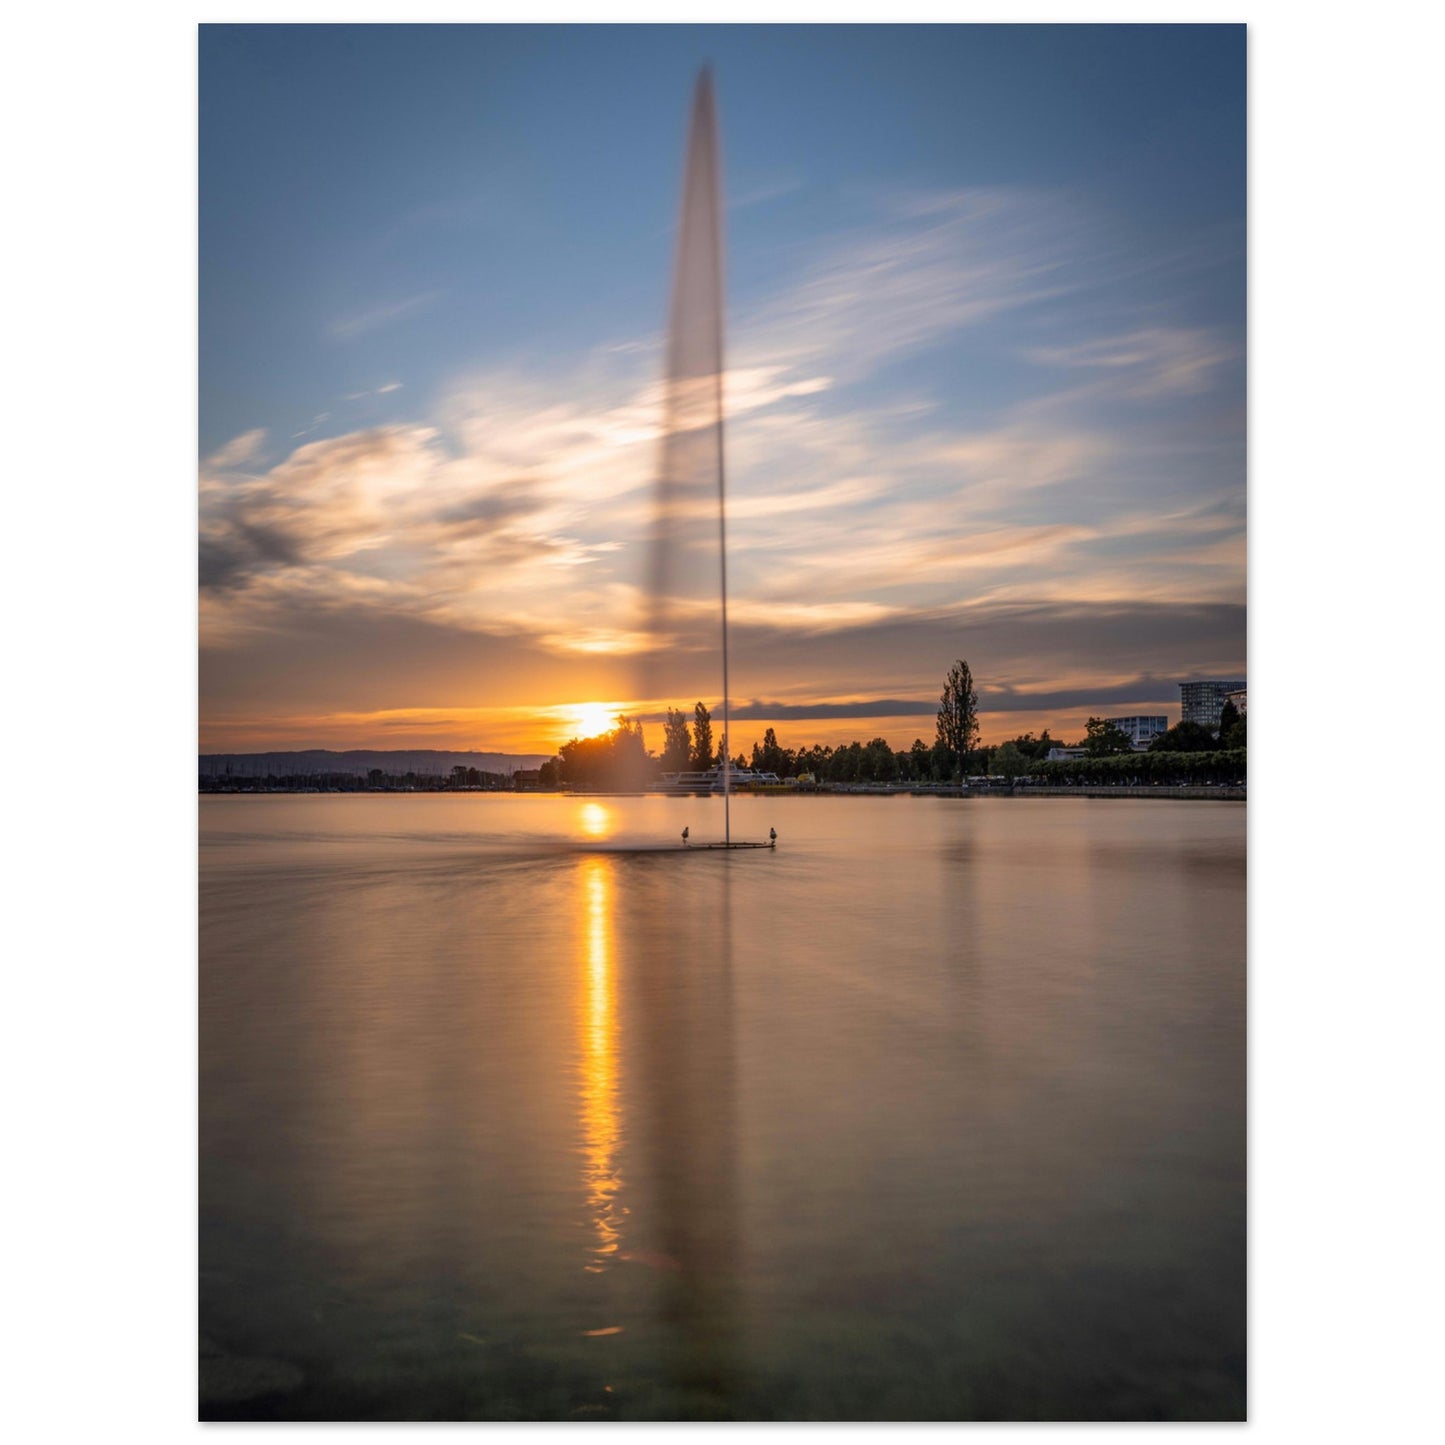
x,y
318,420
1151,362
384,315
238,450
759,193
389,387
935,266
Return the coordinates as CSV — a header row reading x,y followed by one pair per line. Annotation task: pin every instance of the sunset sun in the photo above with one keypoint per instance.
x,y
592,718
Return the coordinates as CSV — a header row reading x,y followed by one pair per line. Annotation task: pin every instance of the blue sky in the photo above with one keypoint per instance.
x,y
986,351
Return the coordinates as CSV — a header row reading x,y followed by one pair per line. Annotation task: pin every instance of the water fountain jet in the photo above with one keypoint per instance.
x,y
686,548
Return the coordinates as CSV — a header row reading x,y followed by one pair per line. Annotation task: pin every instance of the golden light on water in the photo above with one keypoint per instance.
x,y
601,1118
596,820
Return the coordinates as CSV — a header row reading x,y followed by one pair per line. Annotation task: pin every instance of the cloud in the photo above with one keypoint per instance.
x,y
243,448
761,192
329,500
874,529
1153,362
1138,691
867,707
384,315
316,421
937,265
390,386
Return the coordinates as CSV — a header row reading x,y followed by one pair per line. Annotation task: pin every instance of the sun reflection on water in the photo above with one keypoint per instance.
x,y
601,1118
596,820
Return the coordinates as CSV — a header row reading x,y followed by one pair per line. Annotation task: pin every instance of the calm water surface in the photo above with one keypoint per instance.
x,y
511,1109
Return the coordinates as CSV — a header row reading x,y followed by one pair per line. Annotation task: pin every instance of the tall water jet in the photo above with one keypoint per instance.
x,y
689,554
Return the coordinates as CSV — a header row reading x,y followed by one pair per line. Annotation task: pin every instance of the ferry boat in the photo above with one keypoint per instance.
x,y
711,780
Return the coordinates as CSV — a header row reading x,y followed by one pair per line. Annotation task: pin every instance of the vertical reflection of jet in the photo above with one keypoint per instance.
x,y
685,1066
600,1115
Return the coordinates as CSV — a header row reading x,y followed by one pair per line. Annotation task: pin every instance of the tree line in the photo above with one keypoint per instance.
x,y
620,758
376,781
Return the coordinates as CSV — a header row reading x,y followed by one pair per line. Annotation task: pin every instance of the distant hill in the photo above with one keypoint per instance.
x,y
361,762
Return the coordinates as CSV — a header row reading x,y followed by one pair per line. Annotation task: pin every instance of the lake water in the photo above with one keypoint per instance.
x,y
512,1109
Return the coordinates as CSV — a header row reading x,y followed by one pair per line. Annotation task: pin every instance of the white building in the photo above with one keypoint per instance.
x,y
1142,730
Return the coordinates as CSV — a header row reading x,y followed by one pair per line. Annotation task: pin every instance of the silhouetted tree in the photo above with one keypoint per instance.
x,y
1034,747
877,763
814,760
940,761
615,760
1184,737
1228,716
770,758
702,751
677,741
1102,738
1008,761
958,714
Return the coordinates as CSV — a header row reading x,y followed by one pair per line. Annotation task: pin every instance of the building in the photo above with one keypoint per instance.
x,y
1238,698
1202,702
1064,755
1141,730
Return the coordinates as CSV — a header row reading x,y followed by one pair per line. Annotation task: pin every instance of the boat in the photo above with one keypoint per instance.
x,y
718,780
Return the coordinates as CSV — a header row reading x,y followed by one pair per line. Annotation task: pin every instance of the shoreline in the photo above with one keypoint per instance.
x,y
1202,792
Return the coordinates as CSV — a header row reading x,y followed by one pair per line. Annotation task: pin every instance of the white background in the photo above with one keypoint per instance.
x,y
99,712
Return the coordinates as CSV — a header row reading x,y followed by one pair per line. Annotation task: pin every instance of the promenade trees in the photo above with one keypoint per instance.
x,y
1217,766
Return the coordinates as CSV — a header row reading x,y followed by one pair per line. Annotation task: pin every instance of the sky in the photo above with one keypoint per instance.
x,y
985,375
